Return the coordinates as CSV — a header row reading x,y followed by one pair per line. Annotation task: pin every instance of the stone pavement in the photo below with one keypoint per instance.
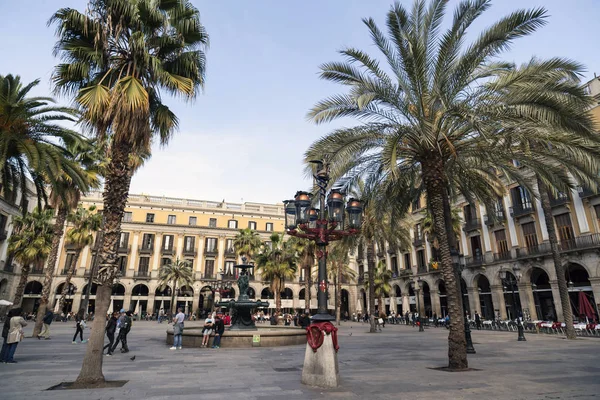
x,y
395,364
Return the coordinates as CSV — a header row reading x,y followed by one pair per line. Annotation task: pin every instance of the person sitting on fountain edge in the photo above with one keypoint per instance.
x,y
219,327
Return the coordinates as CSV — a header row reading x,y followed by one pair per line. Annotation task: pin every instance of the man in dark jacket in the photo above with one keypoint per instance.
x,y
219,331
111,327
125,327
47,321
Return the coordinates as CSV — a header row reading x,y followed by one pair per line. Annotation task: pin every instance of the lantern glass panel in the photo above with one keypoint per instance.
x,y
313,217
290,215
354,210
302,202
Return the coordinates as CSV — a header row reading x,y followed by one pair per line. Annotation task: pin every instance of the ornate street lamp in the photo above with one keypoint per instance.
x,y
322,226
418,288
507,278
458,261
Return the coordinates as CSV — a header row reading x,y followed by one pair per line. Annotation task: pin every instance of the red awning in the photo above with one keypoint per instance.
x,y
585,307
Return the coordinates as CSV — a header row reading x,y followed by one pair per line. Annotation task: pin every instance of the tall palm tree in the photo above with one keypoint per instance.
x,y
118,57
277,264
381,285
178,273
32,143
437,121
85,222
30,243
339,271
305,250
246,243
428,227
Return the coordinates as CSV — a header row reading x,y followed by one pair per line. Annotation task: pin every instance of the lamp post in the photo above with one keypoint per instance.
x,y
537,301
418,287
507,278
322,226
222,285
459,265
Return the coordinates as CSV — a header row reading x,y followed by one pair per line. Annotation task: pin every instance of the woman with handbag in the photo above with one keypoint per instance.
x,y
207,331
79,325
15,335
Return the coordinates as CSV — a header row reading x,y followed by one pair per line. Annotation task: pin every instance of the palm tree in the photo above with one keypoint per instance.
x,y
428,227
32,143
247,243
438,121
178,273
381,285
85,222
339,271
305,250
118,56
277,264
30,243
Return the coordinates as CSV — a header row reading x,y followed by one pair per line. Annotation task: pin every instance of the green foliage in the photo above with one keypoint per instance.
x,y
337,262
382,280
84,221
246,243
277,263
177,272
31,239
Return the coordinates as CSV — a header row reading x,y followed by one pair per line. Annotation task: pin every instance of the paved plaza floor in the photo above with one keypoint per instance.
x,y
394,364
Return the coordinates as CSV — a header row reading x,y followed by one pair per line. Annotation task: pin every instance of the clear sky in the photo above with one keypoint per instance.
x,y
244,137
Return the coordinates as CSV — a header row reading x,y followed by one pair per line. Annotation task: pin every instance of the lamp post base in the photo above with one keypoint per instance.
x,y
521,333
321,367
322,317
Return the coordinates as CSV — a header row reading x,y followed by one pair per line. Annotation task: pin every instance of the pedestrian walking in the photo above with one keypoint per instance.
x,y
45,333
207,331
79,326
14,334
178,329
219,331
124,328
161,315
477,320
111,328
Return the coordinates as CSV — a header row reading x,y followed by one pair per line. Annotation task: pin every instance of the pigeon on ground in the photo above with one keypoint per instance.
x,y
350,334
132,358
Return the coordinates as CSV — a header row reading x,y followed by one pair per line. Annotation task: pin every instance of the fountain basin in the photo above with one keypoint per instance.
x,y
264,336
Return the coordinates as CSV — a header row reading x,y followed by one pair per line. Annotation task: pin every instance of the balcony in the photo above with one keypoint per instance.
x,y
211,252
190,252
230,252
405,273
167,252
70,247
36,271
560,200
472,224
123,249
65,271
207,276
3,235
495,218
9,267
521,210
585,192
146,250
475,261
580,243
502,256
418,241
141,274
533,251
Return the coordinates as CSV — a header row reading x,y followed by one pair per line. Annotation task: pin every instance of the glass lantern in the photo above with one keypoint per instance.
x,y
335,208
354,209
302,202
313,216
290,214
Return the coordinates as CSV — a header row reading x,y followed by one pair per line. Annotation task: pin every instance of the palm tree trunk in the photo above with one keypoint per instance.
x,y
278,302
173,299
72,267
116,190
59,228
558,267
434,179
21,286
371,277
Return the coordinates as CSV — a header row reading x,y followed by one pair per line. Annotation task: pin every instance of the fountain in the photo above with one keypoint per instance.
x,y
241,310
243,332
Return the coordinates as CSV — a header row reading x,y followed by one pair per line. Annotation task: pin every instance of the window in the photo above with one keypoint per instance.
x,y
406,260
165,261
229,268
252,225
565,230
501,243
421,261
144,263
416,204
148,241
122,263
418,232
149,217
269,227
530,235
476,251
189,242
69,261
124,240
127,216
470,213
232,224
394,265
521,199
229,246
212,223
193,221
171,219
167,242
190,263
211,245
209,269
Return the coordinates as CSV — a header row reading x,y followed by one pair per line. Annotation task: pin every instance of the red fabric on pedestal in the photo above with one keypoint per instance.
x,y
315,336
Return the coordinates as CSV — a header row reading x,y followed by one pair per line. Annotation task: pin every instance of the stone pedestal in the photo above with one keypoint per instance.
x,y
321,368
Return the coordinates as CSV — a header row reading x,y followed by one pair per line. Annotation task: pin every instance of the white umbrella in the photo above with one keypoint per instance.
x,y
110,307
186,308
57,307
137,308
162,305
359,306
5,303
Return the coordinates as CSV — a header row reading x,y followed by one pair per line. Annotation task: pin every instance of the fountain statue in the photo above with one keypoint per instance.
x,y
241,309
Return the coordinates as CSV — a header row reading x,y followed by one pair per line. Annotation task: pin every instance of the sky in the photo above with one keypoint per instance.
x,y
244,137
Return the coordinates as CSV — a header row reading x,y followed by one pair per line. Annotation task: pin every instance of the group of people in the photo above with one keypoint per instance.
x,y
118,324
